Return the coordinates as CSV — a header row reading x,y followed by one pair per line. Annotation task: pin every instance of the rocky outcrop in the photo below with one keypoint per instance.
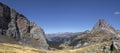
x,y
18,27
113,48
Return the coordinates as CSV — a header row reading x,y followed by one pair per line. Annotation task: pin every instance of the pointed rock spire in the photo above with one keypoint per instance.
x,y
102,25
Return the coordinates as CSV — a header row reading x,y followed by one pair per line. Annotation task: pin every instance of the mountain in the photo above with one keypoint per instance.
x,y
101,32
16,26
102,25
51,37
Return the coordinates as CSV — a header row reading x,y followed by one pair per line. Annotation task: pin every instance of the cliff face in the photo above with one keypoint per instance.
x,y
18,27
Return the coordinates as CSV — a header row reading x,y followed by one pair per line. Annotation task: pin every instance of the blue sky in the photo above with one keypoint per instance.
x,y
68,15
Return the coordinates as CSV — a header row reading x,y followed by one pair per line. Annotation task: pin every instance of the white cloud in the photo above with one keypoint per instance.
x,y
117,13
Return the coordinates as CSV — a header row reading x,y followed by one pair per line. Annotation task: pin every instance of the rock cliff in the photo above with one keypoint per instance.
x,y
19,28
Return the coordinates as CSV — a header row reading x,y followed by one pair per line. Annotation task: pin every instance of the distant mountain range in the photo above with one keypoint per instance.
x,y
62,34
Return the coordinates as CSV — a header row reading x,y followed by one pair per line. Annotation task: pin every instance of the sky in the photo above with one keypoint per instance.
x,y
68,15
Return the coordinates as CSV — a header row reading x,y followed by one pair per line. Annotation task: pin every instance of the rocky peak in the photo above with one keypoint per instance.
x,y
102,25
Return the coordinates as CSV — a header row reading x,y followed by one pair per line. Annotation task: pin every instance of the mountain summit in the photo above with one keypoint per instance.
x,y
102,25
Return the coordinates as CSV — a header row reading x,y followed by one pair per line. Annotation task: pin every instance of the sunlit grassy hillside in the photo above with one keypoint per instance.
x,y
12,48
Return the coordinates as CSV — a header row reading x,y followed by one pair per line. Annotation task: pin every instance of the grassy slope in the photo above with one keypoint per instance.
x,y
12,48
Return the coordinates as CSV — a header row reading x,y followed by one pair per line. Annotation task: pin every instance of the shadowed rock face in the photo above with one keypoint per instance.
x,y
18,27
4,18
